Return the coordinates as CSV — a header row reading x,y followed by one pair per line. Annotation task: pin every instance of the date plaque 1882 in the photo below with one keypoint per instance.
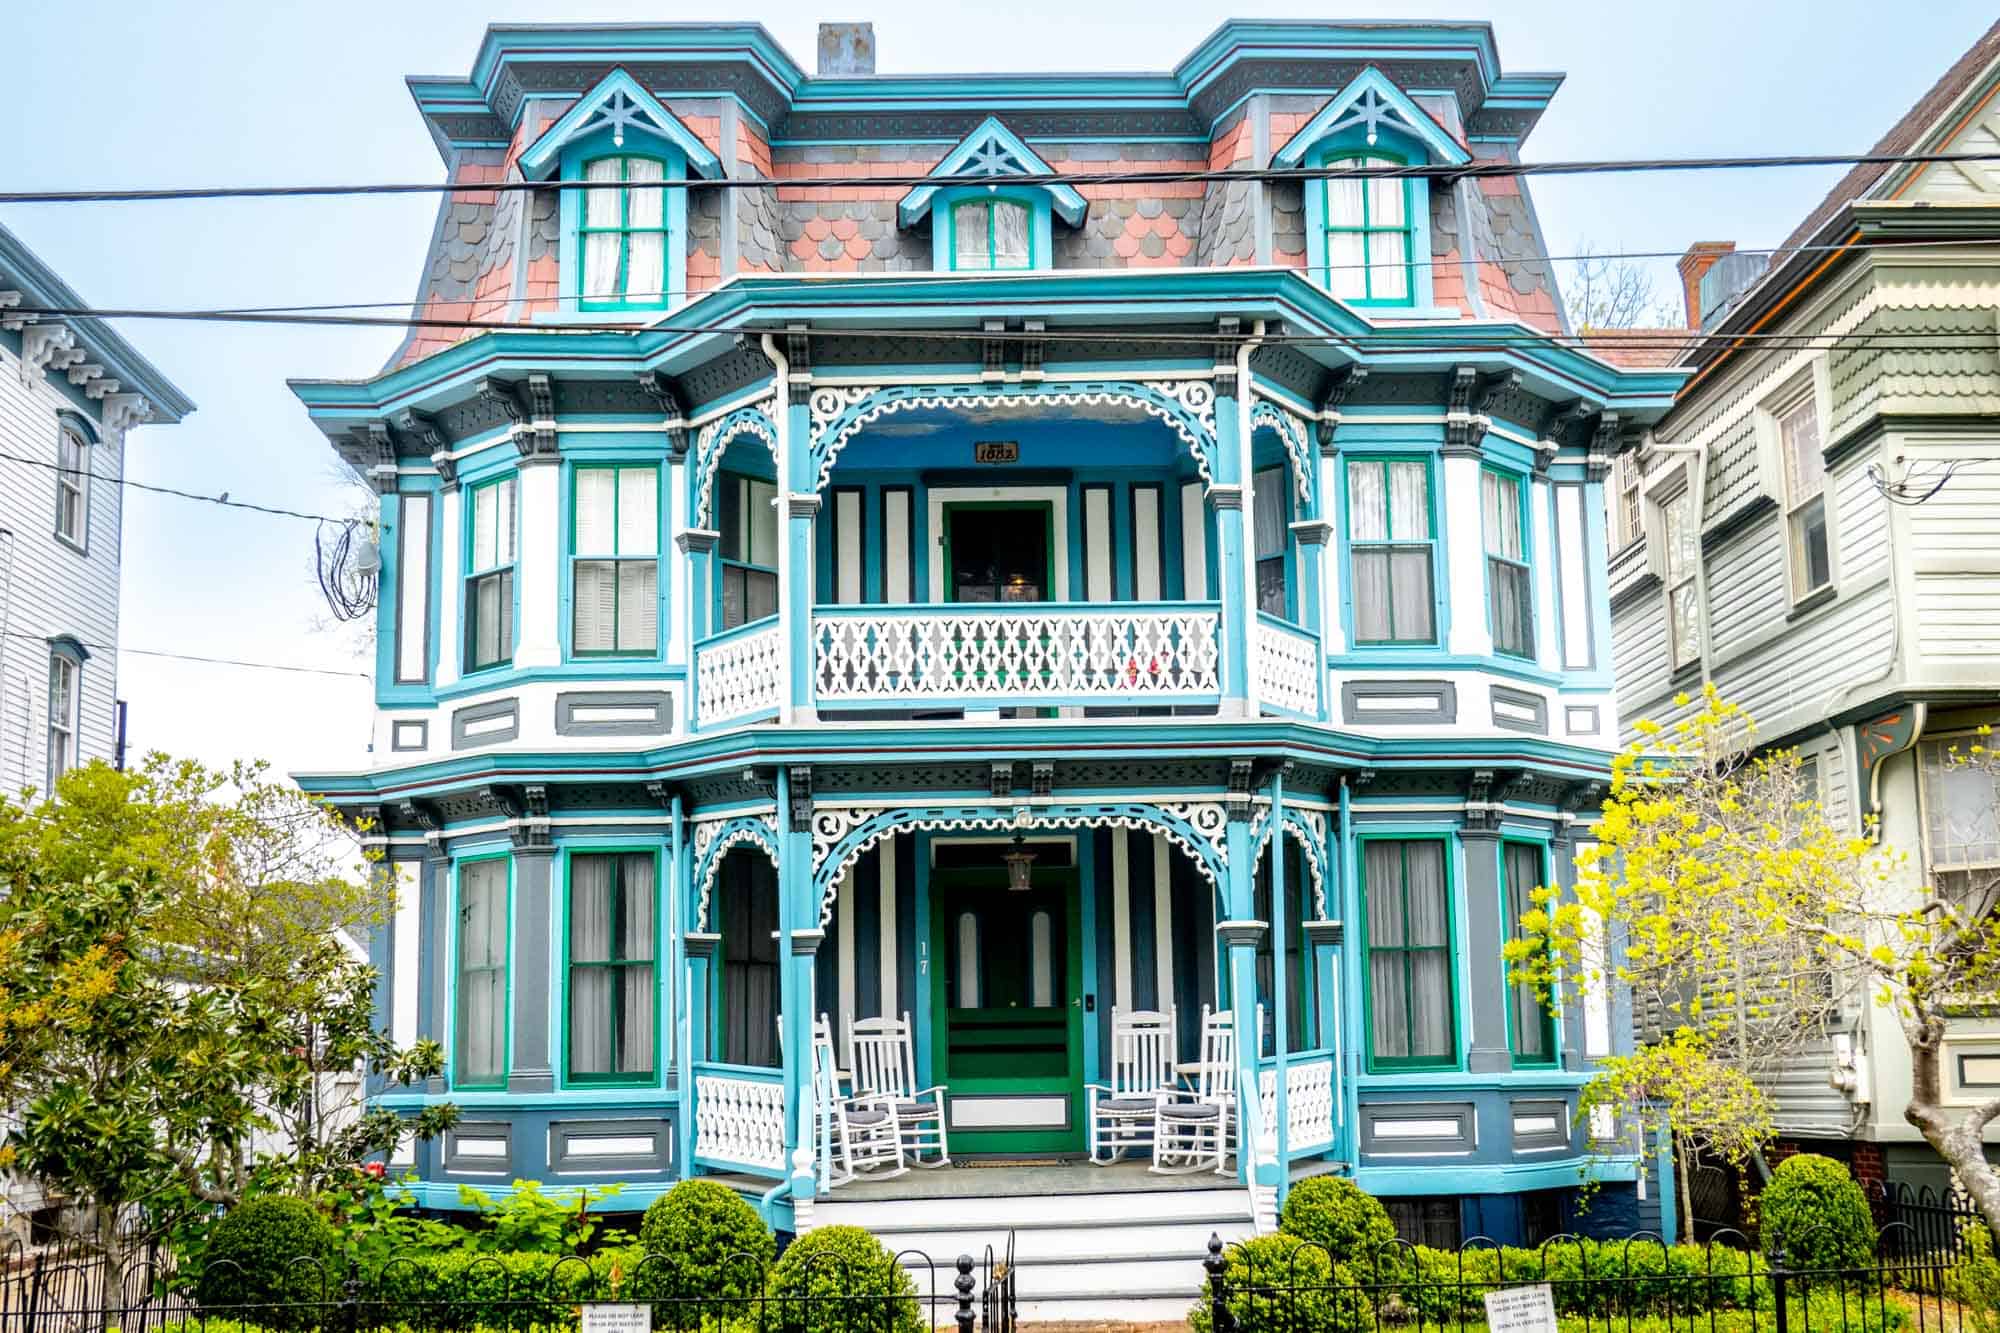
x,y
996,451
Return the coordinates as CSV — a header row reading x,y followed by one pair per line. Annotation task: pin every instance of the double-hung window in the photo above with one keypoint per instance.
x,y
479,1054
72,485
65,712
1629,520
1683,550
615,571
1961,804
1530,1024
612,993
991,234
624,234
1269,531
1390,544
489,575
1407,902
1805,498
1510,601
1368,234
747,519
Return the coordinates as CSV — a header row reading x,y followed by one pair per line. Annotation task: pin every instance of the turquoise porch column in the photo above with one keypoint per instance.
x,y
1225,501
698,545
800,504
1238,935
1280,998
798,929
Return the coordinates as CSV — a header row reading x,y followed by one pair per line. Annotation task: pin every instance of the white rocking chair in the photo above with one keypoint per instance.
x,y
1122,1113
885,1066
861,1137
1198,1130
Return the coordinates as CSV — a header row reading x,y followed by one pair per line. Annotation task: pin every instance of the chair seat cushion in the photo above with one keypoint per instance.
x,y
866,1119
1190,1111
916,1110
1128,1105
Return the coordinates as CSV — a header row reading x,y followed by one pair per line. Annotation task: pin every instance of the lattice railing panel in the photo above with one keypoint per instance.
x,y
740,676
740,1122
1308,1102
1288,666
1032,654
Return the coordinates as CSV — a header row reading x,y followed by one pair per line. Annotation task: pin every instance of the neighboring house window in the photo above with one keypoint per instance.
x,y
1368,234
1631,512
65,712
1809,780
1683,550
1805,499
1428,1222
1510,602
615,591
624,235
1270,533
748,522
991,234
72,485
612,993
489,576
479,1056
1961,804
1390,540
1530,1024
1406,901
747,900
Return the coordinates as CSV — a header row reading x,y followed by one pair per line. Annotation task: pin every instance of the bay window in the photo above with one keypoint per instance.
x,y
747,521
624,234
1406,901
615,566
479,1030
612,991
1390,548
489,575
1510,603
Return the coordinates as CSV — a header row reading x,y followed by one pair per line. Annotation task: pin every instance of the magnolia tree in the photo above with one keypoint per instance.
x,y
1745,917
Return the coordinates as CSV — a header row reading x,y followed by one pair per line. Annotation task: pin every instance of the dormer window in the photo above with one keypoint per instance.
x,y
1368,233
624,234
991,234
990,228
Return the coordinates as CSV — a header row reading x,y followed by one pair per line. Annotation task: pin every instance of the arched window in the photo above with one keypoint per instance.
x,y
65,706
72,485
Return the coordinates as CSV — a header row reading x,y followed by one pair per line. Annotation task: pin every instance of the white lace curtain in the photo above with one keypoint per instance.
x,y
1409,950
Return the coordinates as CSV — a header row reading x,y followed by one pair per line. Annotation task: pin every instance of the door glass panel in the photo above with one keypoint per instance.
x,y
999,555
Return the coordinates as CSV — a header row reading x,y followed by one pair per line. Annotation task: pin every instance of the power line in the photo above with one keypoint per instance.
x,y
1422,171
195,657
222,499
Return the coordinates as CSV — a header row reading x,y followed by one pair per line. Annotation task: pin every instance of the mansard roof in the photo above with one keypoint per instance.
x,y
620,105
992,150
1371,103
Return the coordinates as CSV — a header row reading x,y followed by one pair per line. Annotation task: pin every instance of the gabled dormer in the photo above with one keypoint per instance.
x,y
997,226
1368,240
622,248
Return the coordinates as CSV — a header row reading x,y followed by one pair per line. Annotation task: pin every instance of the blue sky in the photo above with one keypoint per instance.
x,y
278,91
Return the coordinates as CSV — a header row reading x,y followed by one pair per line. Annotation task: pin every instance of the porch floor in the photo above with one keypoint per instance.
x,y
1007,1181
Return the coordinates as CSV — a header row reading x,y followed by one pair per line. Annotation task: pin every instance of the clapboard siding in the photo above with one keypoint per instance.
x,y
51,588
1861,521
1806,1102
1639,655
1746,588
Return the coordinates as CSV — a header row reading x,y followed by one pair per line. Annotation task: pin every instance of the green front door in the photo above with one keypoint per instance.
x,y
1007,1004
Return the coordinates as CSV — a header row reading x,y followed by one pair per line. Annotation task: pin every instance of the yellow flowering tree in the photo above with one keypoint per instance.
x,y
1740,917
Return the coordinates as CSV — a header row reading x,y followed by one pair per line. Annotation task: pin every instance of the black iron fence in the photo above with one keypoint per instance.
x,y
1922,1222
1637,1284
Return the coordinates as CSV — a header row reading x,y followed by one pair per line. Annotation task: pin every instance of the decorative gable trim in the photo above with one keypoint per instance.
x,y
1370,103
996,151
620,105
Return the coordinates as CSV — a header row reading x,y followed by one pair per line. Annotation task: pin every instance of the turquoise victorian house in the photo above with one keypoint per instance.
x,y
871,577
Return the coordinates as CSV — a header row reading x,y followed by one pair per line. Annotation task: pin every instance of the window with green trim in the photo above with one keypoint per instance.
x,y
479,1032
1269,531
624,234
489,575
615,562
747,521
612,996
1510,599
991,234
1531,1024
1407,901
1391,547
1368,233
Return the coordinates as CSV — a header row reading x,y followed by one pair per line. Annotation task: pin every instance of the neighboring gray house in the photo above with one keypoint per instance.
x,y
70,390
1815,528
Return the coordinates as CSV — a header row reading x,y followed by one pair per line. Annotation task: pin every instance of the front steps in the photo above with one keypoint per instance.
x,y
1098,1245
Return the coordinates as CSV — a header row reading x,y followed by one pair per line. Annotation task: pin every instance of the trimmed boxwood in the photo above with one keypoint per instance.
x,y
840,1279
1349,1222
703,1241
510,1289
1282,1282
271,1261
1587,1277
1816,1212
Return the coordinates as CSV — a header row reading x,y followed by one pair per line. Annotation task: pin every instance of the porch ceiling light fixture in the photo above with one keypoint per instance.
x,y
1020,866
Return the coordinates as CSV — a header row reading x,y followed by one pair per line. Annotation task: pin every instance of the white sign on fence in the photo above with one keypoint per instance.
x,y
1521,1310
617,1319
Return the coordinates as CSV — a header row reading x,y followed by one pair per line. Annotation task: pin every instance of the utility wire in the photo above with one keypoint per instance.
x,y
222,499
196,657
1421,171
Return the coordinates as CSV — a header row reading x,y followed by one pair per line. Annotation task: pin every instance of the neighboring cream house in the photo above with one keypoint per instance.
x,y
1815,528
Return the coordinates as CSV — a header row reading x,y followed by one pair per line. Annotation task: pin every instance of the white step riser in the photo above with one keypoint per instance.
x,y
949,1214
1109,1310
943,1247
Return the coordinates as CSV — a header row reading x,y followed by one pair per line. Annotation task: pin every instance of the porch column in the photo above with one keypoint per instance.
x,y
800,508
1323,938
698,545
702,948
1226,502
801,1149
798,502
798,929
532,972
1281,1036
1485,934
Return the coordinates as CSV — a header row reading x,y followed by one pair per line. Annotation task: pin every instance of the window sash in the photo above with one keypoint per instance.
x,y
1530,1021
1408,947
992,235
489,620
1805,466
479,1055
1368,232
614,566
72,486
492,528
64,698
1811,543
612,998
622,235
1391,551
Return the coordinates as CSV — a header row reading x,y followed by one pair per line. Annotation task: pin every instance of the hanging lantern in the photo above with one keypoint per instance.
x,y
1020,866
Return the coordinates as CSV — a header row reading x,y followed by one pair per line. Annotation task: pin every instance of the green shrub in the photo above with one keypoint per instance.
x,y
703,1241
1337,1214
1815,1211
464,1289
1282,1282
1589,1278
1975,1280
841,1280
271,1261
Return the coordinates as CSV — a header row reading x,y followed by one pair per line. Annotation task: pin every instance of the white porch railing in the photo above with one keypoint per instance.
x,y
740,673
1042,653
739,1118
1288,666
1308,1101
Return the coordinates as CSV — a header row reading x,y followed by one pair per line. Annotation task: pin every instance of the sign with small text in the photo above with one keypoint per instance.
x,y
1521,1310
602,1318
996,451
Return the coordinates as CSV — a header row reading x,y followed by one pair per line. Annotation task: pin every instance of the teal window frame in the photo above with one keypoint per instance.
x,y
617,558
1523,490
455,1077
625,231
1366,229
987,201
724,563
1403,1063
652,1078
475,575
1431,543
1512,918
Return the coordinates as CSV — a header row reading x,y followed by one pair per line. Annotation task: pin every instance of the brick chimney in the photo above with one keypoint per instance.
x,y
1699,259
846,49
